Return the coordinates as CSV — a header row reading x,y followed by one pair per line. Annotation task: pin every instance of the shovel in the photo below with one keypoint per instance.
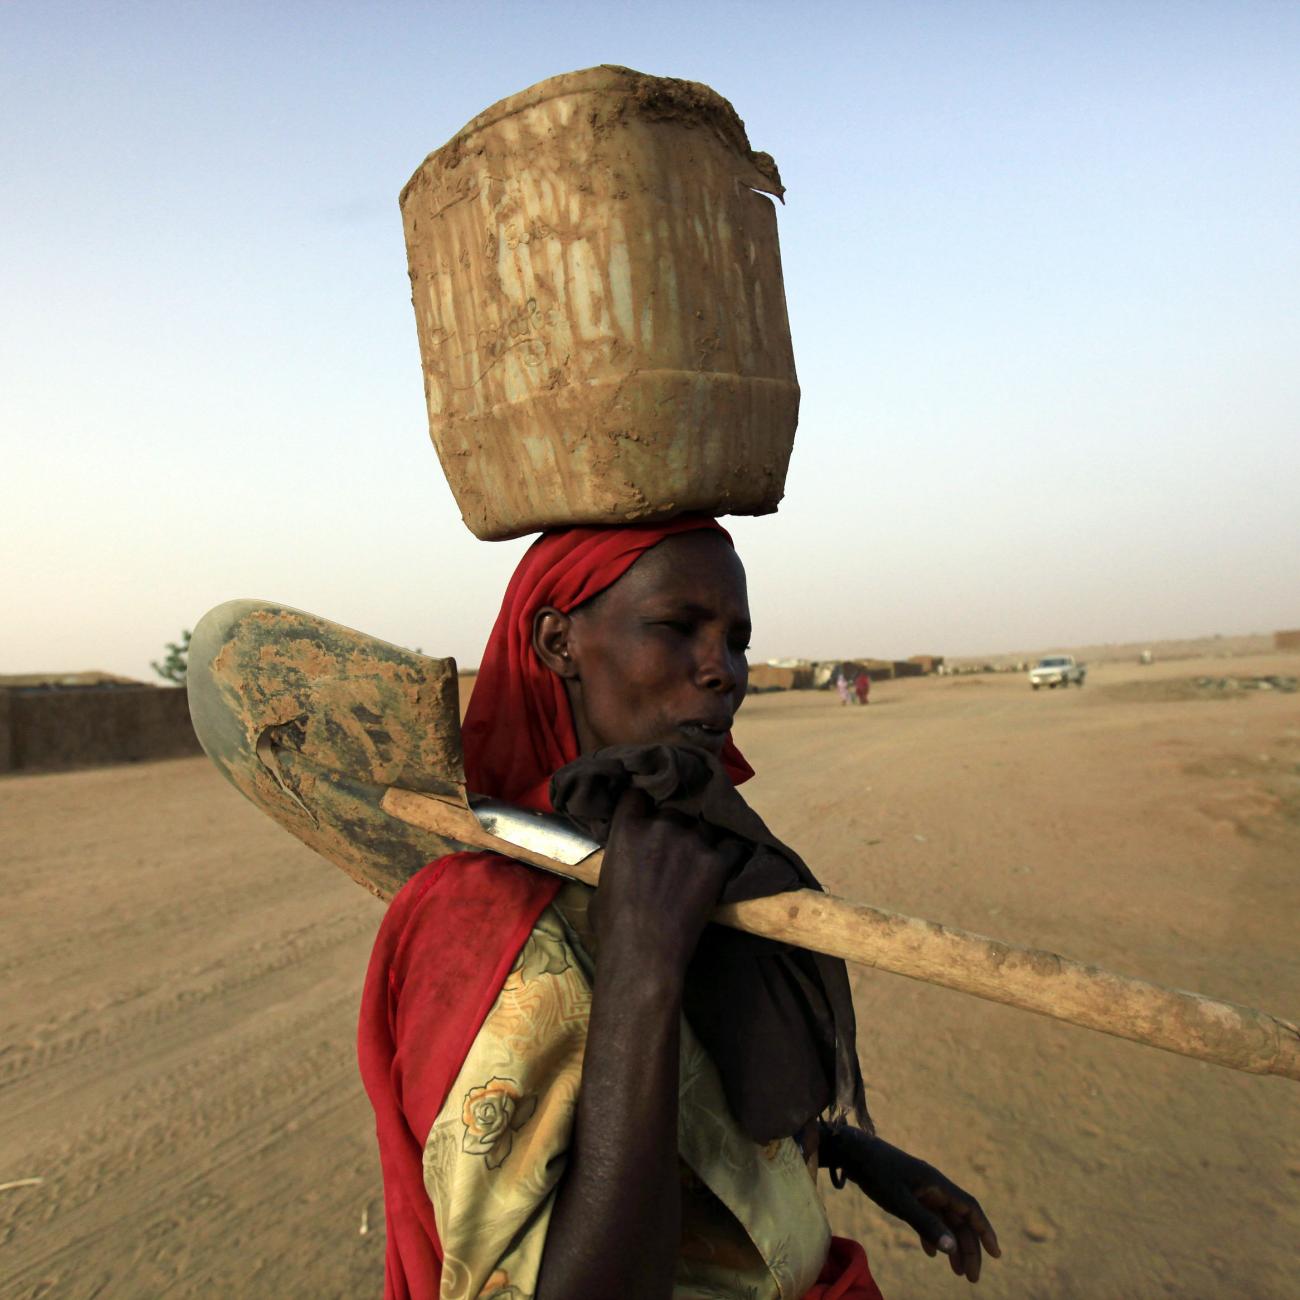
x,y
353,745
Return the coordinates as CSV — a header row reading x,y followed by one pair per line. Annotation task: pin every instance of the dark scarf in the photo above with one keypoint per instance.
x,y
776,1020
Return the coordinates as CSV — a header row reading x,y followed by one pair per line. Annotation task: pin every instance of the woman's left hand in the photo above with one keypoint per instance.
x,y
945,1217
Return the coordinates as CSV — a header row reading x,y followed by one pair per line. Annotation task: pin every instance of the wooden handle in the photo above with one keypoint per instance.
x,y
1032,979
1223,1033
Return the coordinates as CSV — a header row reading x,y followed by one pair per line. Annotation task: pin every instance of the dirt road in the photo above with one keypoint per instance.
x,y
181,980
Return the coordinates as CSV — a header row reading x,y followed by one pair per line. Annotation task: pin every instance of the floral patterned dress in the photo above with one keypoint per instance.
x,y
753,1224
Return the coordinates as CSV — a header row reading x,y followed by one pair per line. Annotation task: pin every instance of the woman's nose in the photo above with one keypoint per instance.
x,y
715,670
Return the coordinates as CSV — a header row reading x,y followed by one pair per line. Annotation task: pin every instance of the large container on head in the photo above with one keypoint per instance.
x,y
598,295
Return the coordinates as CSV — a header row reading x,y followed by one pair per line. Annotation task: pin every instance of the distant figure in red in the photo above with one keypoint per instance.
x,y
862,684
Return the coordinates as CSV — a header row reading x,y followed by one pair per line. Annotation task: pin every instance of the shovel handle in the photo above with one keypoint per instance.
x,y
1241,1038
1032,979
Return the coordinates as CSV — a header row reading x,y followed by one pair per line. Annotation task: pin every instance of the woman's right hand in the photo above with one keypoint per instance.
x,y
660,881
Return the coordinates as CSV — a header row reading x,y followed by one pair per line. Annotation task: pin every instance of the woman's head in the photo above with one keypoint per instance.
x,y
658,657
623,680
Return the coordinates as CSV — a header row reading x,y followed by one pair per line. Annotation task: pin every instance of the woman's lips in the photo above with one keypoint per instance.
x,y
707,735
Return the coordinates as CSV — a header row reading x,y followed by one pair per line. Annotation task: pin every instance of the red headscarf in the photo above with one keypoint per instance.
x,y
518,729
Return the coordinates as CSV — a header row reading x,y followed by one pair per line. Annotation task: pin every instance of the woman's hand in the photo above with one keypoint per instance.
x,y
945,1217
660,881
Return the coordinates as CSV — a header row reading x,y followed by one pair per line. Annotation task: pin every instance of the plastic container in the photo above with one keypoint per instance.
x,y
602,322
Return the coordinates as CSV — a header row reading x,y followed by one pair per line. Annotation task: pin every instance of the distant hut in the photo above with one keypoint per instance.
x,y
928,663
1289,640
777,677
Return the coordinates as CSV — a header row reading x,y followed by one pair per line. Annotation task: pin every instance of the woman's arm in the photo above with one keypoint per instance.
x,y
616,1226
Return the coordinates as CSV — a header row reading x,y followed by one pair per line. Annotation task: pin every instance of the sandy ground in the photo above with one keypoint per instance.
x,y
1127,652
181,980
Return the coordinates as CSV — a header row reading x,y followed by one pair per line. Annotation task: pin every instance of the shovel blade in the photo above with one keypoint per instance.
x,y
312,722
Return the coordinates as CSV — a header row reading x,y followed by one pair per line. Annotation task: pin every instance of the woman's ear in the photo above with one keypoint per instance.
x,y
551,634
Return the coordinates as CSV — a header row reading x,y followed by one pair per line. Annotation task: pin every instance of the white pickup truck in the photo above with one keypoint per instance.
x,y
1056,670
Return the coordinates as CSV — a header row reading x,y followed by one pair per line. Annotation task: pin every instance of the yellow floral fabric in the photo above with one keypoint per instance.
x,y
753,1224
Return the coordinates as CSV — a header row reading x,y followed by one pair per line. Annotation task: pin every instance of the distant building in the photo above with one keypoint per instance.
x,y
53,721
879,670
779,677
928,663
1287,640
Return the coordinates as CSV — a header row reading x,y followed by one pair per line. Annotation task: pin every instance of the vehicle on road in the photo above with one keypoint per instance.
x,y
1057,670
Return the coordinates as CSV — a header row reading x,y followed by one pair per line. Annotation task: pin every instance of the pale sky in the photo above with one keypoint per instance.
x,y
1042,262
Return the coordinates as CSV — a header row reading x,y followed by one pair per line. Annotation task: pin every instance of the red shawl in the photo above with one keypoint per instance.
x,y
453,932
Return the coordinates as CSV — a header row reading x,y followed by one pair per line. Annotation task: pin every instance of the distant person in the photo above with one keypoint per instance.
x,y
842,685
862,685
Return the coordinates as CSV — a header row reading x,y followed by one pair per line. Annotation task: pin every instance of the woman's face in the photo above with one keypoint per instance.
x,y
659,657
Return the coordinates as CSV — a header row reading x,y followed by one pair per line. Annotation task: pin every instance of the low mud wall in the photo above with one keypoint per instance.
x,y
46,730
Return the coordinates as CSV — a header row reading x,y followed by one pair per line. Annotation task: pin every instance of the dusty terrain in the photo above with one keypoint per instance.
x,y
181,980
1126,652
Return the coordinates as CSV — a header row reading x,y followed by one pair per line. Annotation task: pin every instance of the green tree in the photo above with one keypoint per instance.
x,y
173,667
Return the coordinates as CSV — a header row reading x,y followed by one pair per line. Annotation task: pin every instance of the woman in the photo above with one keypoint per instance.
x,y
485,1009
